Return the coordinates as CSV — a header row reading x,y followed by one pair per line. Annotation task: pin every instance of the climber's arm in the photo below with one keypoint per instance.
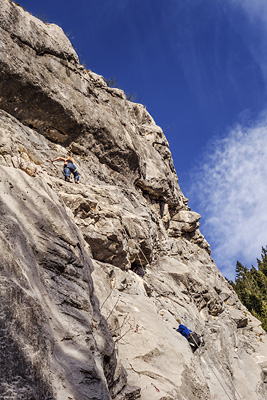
x,y
59,159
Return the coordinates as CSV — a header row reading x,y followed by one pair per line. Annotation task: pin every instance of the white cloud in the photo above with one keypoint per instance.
x,y
255,8
231,187
256,12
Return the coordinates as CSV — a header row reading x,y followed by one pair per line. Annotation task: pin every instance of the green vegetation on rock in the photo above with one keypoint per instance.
x,y
251,287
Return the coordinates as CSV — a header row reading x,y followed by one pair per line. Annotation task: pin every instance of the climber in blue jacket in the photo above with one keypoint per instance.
x,y
192,337
183,330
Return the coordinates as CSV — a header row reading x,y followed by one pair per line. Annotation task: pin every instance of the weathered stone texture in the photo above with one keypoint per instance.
x,y
52,331
126,227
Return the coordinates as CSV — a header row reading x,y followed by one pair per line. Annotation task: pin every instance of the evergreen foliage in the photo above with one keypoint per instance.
x,y
251,287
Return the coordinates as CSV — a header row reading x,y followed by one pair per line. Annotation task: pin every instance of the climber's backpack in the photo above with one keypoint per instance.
x,y
195,341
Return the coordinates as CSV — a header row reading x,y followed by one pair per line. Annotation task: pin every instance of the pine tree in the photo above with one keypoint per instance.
x,y
251,287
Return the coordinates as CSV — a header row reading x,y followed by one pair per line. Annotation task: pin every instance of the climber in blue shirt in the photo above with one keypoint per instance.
x,y
183,330
192,337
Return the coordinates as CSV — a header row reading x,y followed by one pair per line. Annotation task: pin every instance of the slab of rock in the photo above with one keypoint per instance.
x,y
55,343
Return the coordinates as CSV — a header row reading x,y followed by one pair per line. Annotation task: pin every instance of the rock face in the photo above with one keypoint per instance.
x,y
94,276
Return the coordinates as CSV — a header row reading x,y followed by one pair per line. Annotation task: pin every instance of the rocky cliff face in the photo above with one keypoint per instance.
x,y
93,276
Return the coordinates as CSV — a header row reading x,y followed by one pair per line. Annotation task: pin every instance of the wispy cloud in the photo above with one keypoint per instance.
x,y
256,12
231,187
254,8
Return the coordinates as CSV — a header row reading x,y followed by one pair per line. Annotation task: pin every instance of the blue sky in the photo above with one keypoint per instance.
x,y
200,67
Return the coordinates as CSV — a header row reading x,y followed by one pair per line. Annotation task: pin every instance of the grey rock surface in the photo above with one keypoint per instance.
x,y
94,276
54,342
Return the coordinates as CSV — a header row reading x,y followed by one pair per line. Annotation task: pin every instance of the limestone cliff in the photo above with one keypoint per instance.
x,y
93,276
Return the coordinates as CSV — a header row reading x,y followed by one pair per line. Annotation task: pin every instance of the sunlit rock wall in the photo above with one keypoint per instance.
x,y
94,276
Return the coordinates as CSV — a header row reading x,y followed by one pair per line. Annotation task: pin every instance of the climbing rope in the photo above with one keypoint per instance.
x,y
215,373
138,246
238,395
210,366
144,271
